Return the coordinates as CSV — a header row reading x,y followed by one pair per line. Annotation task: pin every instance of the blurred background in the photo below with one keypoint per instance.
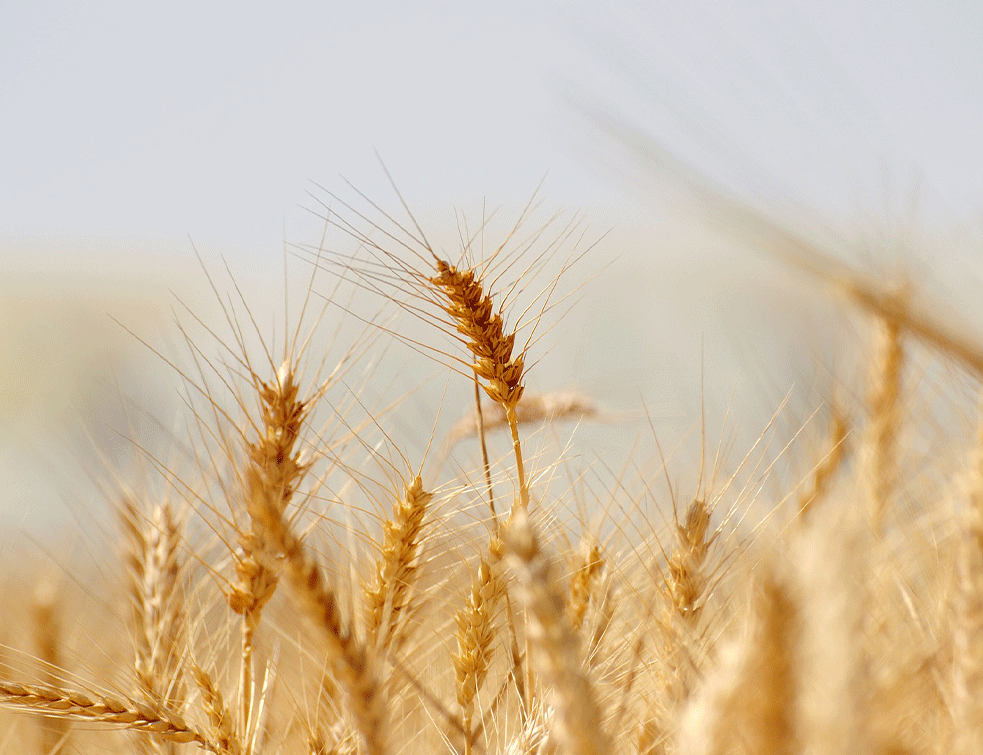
x,y
133,134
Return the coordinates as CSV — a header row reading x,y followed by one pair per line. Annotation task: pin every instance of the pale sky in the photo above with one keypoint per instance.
x,y
164,120
126,128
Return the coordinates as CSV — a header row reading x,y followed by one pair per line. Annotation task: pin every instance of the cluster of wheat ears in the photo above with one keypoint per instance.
x,y
275,596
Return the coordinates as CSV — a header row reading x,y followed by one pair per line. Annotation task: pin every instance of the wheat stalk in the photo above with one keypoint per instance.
x,y
48,638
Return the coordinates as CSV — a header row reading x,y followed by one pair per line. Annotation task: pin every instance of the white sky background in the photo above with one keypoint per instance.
x,y
211,119
125,128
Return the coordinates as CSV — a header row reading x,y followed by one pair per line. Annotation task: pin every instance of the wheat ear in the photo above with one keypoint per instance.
x,y
271,476
474,313
220,719
388,596
749,703
153,561
475,624
583,583
885,420
683,591
48,700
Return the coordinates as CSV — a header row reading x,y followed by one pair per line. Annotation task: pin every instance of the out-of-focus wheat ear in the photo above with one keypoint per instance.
x,y
967,702
353,664
57,702
750,702
274,469
48,639
826,469
828,555
583,582
157,589
885,420
683,594
577,722
221,720
475,633
387,597
532,738
686,578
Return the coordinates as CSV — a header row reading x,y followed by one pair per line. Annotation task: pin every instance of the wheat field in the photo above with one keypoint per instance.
x,y
283,573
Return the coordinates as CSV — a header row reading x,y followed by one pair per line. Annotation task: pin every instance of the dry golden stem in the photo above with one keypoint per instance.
x,y
480,429
46,700
387,598
519,466
577,723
